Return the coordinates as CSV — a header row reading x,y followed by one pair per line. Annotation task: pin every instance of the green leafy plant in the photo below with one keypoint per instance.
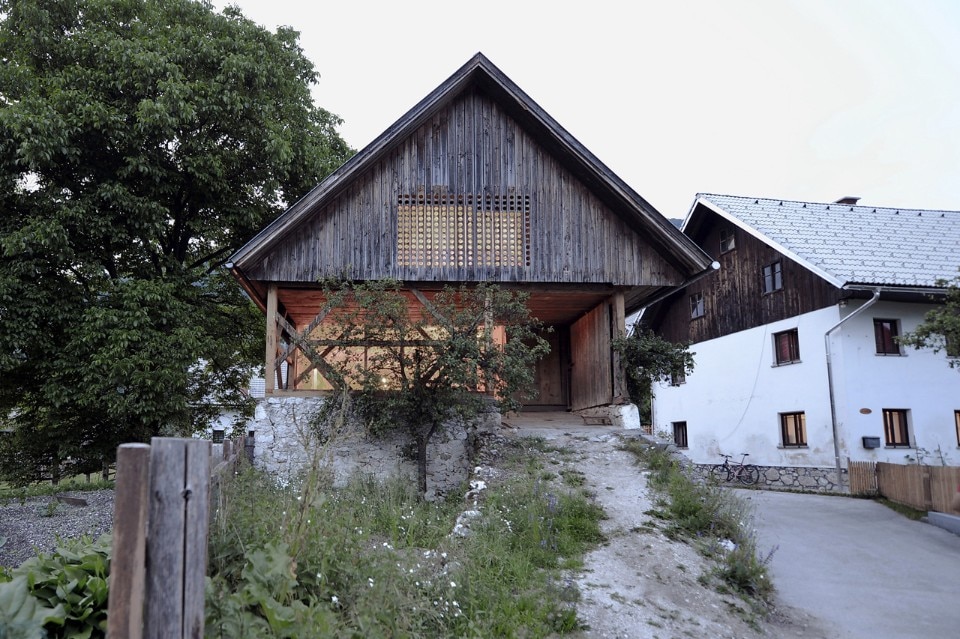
x,y
418,372
140,146
23,616
68,588
940,329
372,559
648,358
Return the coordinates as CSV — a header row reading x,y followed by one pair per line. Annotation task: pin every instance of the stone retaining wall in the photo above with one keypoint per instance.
x,y
772,477
287,440
788,477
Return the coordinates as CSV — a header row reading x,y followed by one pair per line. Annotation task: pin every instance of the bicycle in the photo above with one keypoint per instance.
x,y
744,473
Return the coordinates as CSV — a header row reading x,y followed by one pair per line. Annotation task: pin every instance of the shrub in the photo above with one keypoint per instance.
x,y
62,594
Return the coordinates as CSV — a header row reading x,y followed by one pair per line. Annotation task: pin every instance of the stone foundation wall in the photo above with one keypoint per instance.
x,y
772,477
788,477
287,441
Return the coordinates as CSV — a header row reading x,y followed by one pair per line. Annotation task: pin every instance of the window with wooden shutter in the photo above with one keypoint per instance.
x,y
885,332
787,347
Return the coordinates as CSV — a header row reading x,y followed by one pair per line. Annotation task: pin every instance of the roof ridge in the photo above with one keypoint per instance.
x,y
826,204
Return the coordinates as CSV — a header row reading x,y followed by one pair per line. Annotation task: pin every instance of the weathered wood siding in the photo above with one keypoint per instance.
x,y
733,296
470,148
595,375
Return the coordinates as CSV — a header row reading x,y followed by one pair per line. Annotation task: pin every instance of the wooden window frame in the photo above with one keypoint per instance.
x,y
956,423
697,306
680,434
886,343
791,341
772,277
728,240
896,427
678,376
793,430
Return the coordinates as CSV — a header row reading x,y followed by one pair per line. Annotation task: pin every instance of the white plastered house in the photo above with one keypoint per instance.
x,y
796,358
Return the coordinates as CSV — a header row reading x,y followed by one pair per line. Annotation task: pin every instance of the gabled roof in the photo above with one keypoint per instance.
x,y
479,73
844,244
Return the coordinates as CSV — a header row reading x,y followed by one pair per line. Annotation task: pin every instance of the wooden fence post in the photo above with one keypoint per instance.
x,y
177,538
125,604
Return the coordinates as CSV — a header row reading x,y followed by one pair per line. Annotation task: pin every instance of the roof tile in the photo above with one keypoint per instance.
x,y
885,246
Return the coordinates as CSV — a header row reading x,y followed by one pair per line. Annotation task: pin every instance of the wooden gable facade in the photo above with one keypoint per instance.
x,y
475,184
755,285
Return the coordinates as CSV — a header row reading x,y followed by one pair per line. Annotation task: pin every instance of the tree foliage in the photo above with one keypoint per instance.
x,y
648,358
417,372
141,143
940,329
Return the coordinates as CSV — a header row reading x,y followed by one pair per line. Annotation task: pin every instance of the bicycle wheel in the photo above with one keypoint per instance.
x,y
720,473
749,475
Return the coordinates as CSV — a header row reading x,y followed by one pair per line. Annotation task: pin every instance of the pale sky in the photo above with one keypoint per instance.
x,y
798,99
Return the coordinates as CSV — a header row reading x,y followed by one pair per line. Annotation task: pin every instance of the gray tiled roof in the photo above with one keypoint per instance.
x,y
852,244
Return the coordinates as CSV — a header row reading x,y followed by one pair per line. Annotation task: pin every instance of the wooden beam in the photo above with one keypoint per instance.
x,y
336,380
427,304
618,323
270,359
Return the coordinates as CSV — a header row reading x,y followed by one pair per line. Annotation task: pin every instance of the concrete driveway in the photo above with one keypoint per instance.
x,y
865,570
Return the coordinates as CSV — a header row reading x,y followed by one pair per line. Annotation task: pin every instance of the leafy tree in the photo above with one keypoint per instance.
x,y
940,329
141,143
649,358
416,372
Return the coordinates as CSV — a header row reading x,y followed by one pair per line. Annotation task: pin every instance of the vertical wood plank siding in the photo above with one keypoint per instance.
x,y
733,296
591,380
472,147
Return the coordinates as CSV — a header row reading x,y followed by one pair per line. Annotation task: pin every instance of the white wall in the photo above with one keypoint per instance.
x,y
732,400
918,380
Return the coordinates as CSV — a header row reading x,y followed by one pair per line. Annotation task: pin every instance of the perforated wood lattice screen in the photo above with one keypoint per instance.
x,y
441,229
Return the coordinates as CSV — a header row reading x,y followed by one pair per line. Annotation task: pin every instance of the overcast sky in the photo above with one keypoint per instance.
x,y
798,99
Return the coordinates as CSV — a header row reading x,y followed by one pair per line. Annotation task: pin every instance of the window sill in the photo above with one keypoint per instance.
x,y
779,364
890,354
782,447
899,446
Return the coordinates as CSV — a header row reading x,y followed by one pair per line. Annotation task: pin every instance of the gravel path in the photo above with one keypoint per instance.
x,y
38,522
640,584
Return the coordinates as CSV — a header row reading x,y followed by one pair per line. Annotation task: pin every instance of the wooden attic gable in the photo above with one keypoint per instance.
x,y
475,183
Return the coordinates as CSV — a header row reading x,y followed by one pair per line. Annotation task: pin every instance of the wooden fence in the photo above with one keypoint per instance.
x,y
160,524
921,487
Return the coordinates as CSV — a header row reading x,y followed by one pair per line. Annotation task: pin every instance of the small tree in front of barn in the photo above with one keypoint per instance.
x,y
418,365
648,358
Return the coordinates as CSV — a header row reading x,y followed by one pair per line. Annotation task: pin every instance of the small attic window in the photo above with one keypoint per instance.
x,y
727,241
463,230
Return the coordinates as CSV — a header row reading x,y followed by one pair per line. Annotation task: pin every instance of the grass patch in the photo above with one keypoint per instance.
x,y
713,518
11,492
906,511
374,560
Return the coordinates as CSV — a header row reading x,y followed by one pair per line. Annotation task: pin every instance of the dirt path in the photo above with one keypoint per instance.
x,y
641,584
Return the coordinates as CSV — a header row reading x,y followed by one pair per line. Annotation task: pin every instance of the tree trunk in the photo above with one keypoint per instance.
x,y
422,464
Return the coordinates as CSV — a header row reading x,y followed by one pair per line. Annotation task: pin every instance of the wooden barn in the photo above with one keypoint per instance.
x,y
476,183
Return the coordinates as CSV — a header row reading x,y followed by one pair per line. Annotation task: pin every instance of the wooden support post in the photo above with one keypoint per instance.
x,y
618,328
177,538
127,566
270,359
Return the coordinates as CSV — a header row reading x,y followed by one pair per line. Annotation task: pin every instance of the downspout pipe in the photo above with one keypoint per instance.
x,y
833,401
